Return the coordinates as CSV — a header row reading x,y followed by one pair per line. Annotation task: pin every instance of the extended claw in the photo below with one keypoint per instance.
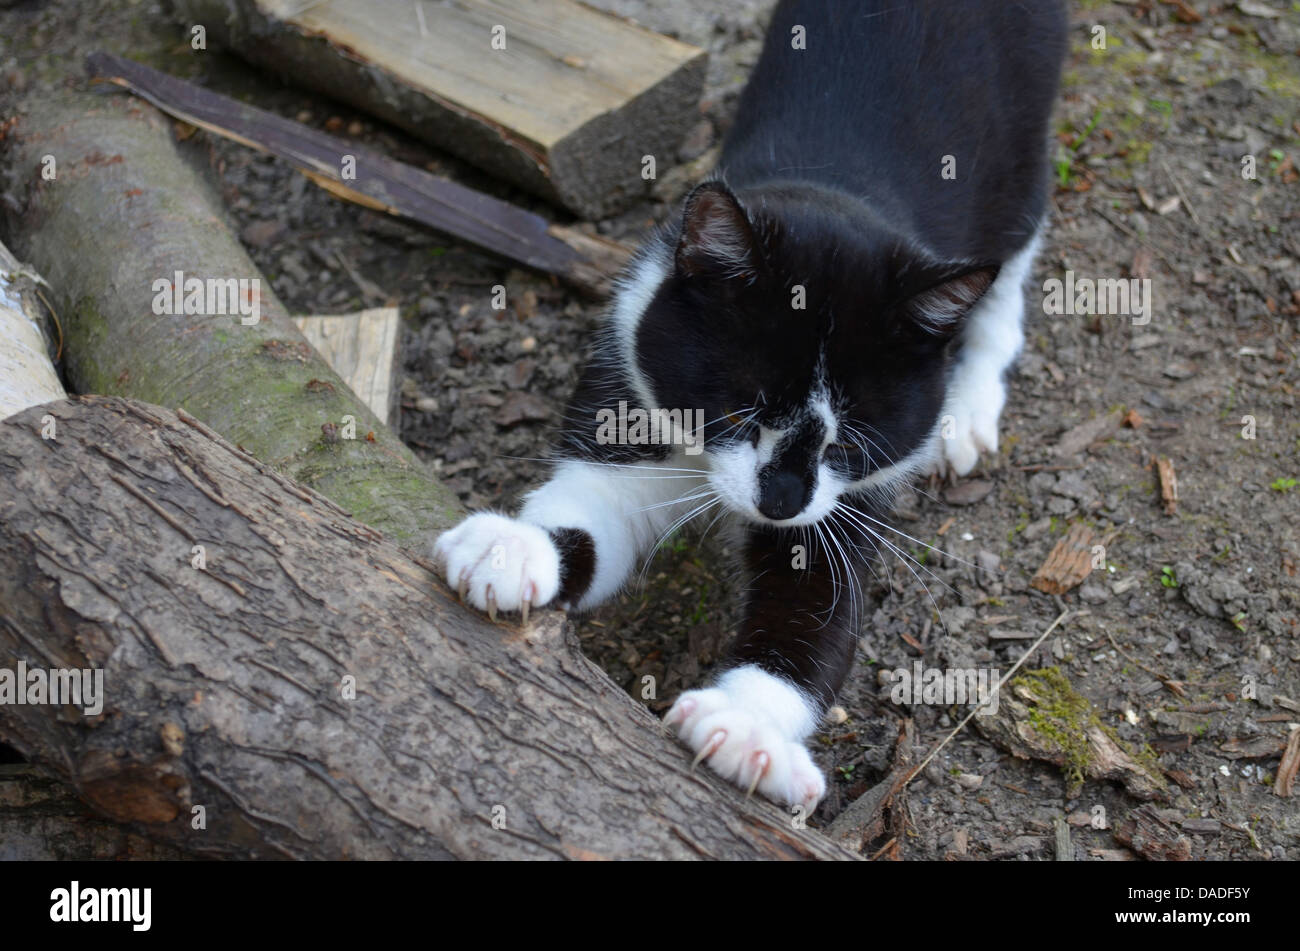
x,y
491,604
716,740
762,761
523,608
462,587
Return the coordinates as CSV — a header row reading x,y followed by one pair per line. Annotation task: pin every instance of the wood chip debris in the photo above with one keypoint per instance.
x,y
1168,484
1151,836
1286,771
1069,563
882,809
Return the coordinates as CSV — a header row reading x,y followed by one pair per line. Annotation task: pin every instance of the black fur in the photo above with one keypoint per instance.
x,y
830,181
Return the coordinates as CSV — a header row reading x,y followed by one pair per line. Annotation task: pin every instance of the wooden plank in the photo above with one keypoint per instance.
x,y
586,261
27,375
362,349
552,95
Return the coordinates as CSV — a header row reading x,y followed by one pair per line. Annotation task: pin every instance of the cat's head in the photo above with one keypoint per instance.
x,y
814,341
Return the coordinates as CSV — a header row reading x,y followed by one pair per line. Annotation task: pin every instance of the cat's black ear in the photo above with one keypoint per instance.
x,y
940,309
717,239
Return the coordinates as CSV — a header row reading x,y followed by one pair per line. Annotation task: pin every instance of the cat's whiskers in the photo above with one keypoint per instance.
x,y
676,524
830,561
906,558
888,580
677,501
853,555
915,540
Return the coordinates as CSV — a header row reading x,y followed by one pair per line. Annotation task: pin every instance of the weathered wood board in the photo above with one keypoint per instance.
x,y
361,348
558,98
358,174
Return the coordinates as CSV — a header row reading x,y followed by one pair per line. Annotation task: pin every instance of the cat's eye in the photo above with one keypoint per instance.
x,y
742,427
844,452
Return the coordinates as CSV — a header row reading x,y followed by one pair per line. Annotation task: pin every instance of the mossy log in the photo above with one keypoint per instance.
x,y
281,680
106,209
1041,716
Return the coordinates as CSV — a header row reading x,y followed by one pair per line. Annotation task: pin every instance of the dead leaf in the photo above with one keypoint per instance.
x,y
1086,433
1184,12
968,493
521,407
1253,8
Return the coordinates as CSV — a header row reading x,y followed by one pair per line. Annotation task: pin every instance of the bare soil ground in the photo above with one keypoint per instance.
x,y
1185,641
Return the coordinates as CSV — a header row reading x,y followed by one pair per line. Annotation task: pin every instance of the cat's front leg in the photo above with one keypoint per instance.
x,y
990,341
793,651
573,544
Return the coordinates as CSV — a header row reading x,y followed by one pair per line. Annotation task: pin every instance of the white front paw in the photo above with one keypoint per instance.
x,y
969,424
498,563
743,745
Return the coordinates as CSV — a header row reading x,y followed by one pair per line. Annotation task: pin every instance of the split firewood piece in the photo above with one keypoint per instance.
x,y
27,374
1069,562
1168,484
362,349
1041,716
373,180
558,98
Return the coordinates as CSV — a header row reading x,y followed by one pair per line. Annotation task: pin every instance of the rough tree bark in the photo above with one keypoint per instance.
x,y
121,210
226,684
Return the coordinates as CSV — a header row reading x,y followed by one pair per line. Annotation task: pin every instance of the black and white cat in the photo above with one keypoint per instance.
x,y
841,301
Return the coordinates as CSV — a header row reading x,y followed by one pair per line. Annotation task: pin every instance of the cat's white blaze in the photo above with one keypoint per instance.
x,y
752,725
990,340
623,509
821,407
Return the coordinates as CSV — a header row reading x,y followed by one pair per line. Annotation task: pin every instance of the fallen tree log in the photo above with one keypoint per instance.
x,y
120,225
282,681
559,98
